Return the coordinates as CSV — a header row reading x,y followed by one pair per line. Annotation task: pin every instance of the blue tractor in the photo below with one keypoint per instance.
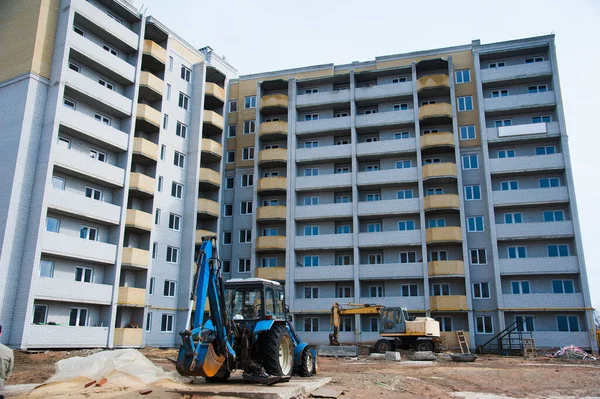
x,y
248,328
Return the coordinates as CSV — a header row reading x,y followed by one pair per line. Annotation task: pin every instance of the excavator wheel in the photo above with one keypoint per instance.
x,y
277,351
424,346
383,345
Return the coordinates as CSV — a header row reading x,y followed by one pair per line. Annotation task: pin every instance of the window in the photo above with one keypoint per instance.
x,y
408,257
181,130
311,261
168,92
463,76
343,292
149,321
373,197
249,126
229,182
513,218
432,223
311,292
88,233
176,190
517,252
400,107
401,135
228,210
467,132
178,159
233,106
503,122
375,259
343,260
311,172
170,64
249,102
537,89
499,93
445,323
520,287
481,290
506,153
245,236
567,323
434,191
311,324
409,290
78,317
438,255
231,131
46,268
342,199
40,314
78,30
270,202
271,174
103,119
470,161
93,193
247,153
84,274
547,182
554,216
230,157
475,223
541,119
166,324
344,169
404,194
369,111
346,323
484,324
110,50
226,266
311,90
373,227
440,289
248,180
428,102
246,207
154,250
374,324
499,64
52,224
269,262
184,101
532,60
97,155
311,144
372,168
106,84
163,152
152,285
399,80
376,291
343,229
169,288
429,161
371,139
160,184
546,150
227,237
473,193
558,250
70,104
311,230
341,114
172,254
157,216
465,103
403,164
311,201
478,256
311,117
174,222
509,185
186,73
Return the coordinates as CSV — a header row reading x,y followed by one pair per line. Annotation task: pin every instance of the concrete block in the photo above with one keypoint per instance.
x,y
425,355
377,356
392,356
343,351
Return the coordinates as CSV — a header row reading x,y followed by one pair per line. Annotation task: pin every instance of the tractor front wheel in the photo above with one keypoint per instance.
x,y
278,351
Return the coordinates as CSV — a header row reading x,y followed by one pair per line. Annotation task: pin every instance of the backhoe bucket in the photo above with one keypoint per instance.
x,y
206,364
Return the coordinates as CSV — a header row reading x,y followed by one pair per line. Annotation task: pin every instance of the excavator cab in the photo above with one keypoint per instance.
x,y
393,320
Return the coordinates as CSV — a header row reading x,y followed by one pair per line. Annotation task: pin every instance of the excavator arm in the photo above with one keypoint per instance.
x,y
354,308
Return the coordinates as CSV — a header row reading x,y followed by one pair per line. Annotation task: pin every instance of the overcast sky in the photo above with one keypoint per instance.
x,y
265,35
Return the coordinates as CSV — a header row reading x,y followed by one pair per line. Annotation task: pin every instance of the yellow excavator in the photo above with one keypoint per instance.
x,y
396,328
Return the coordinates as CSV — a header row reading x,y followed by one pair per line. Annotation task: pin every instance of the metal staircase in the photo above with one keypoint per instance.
x,y
509,341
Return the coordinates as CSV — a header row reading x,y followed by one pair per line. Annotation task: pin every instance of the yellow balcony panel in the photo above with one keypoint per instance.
x,y
446,268
439,170
448,302
138,220
128,337
433,82
440,110
156,52
442,139
444,234
274,102
136,258
441,201
270,244
208,207
452,339
214,90
203,233
212,151
142,184
272,156
151,86
148,118
213,121
271,273
272,184
276,130
271,213
145,148
129,296
210,177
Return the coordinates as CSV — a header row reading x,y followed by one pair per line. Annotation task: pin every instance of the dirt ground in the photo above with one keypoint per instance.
x,y
364,378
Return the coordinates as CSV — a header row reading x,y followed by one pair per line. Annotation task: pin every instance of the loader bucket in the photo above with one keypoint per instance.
x,y
206,364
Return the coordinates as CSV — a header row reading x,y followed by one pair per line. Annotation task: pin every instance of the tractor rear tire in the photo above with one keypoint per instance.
x,y
278,351
383,345
306,363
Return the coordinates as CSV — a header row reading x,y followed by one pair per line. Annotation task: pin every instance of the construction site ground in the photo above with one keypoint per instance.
x,y
489,376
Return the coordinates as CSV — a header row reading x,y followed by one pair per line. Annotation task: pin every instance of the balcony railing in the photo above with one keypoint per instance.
x,y
448,302
270,243
271,213
135,258
129,296
442,139
271,273
138,220
433,82
441,201
446,268
439,170
208,207
448,234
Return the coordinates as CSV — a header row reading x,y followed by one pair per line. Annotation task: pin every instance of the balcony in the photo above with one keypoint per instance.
x,y
387,271
104,25
208,208
520,102
47,336
148,119
271,213
128,337
526,131
324,273
541,265
383,92
531,196
151,86
76,248
154,56
386,147
276,130
82,207
324,241
448,303
442,268
80,125
323,125
388,176
513,73
435,111
326,181
439,170
389,239
135,258
441,202
138,221
388,207
385,119
274,104
433,82
330,152
213,123
129,296
434,140
314,305
271,273
412,303
268,185
270,244
203,233
541,302
141,185
98,96
63,290
448,234
331,98
81,165
542,230
214,90
209,178
212,151
272,157
324,211
526,164
145,149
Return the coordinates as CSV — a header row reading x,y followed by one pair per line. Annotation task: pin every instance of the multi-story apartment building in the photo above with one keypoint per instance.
x,y
438,180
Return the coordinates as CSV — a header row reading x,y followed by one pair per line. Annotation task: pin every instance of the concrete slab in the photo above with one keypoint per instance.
x,y
342,351
392,356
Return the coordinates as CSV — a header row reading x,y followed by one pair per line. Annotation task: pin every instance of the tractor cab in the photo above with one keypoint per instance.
x,y
254,299
393,320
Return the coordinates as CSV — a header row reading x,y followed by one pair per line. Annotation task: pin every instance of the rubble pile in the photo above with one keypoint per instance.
x,y
572,352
